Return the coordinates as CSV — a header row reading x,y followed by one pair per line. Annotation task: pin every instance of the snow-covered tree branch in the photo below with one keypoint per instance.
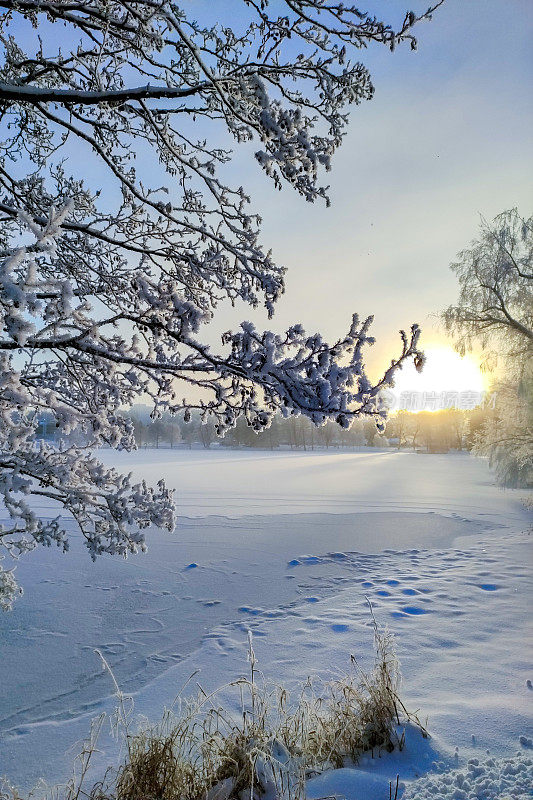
x,y
121,236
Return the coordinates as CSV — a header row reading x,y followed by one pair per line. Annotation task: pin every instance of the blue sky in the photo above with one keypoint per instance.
x,y
446,138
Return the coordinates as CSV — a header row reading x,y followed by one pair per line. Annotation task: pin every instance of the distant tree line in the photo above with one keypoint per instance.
x,y
429,431
436,431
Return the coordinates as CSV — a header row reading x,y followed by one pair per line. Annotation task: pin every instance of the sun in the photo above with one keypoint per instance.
x,y
447,380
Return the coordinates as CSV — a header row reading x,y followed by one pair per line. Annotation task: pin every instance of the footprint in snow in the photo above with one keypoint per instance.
x,y
414,610
157,658
340,628
253,611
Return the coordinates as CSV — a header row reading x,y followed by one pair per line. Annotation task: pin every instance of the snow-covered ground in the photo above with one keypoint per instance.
x,y
290,545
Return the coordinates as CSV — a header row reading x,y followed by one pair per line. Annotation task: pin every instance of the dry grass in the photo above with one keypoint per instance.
x,y
204,752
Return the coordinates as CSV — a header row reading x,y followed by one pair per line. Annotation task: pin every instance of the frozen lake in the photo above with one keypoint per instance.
x,y
262,539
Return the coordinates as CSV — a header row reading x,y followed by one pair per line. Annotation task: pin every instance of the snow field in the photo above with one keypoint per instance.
x,y
448,572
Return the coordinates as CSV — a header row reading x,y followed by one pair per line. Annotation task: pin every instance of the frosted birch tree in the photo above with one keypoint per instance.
x,y
121,235
495,305
495,311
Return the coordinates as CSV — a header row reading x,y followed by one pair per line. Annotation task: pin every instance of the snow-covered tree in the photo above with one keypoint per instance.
x,y
495,311
495,305
121,235
506,435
